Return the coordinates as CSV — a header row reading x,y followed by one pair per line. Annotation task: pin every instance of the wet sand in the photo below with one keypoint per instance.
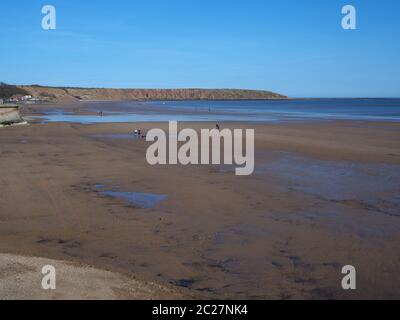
x,y
324,195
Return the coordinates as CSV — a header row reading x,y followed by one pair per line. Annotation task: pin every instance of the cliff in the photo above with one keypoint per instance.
x,y
84,94
7,91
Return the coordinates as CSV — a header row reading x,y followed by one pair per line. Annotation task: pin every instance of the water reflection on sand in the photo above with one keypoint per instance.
x,y
137,199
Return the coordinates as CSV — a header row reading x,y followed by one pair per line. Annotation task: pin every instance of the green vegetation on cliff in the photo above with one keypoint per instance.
x,y
85,94
7,91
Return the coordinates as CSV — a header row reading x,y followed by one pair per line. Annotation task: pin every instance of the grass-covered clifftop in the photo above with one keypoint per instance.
x,y
77,94
7,91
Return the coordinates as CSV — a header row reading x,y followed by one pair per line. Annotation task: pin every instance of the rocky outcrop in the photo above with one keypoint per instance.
x,y
85,94
10,115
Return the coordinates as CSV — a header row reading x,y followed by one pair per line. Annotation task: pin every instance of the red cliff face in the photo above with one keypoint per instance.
x,y
76,94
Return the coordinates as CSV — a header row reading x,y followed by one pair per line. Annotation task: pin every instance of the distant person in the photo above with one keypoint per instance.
x,y
217,126
101,113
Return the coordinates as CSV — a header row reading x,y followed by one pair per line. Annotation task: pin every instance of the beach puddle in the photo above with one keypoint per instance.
x,y
360,186
136,199
338,220
337,180
371,187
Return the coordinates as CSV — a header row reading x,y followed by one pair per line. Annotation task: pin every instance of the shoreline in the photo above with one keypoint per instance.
x,y
198,111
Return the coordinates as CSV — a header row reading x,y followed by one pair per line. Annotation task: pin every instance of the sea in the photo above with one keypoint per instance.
x,y
242,111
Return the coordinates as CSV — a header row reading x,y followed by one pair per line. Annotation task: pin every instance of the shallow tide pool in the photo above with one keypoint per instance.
x,y
137,199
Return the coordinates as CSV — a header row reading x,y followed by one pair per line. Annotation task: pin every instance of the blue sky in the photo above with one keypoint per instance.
x,y
295,47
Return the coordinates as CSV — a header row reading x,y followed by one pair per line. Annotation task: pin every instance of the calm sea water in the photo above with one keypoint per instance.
x,y
361,109
266,111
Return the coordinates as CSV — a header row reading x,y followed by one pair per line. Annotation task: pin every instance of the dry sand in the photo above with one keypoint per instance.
x,y
21,279
216,235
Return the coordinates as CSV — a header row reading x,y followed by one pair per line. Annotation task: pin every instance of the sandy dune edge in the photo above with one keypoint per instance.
x,y
21,278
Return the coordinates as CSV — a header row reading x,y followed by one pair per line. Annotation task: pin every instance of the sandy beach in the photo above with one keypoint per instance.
x,y
21,279
324,195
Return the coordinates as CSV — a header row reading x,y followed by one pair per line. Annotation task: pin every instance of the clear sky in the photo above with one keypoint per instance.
x,y
295,47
